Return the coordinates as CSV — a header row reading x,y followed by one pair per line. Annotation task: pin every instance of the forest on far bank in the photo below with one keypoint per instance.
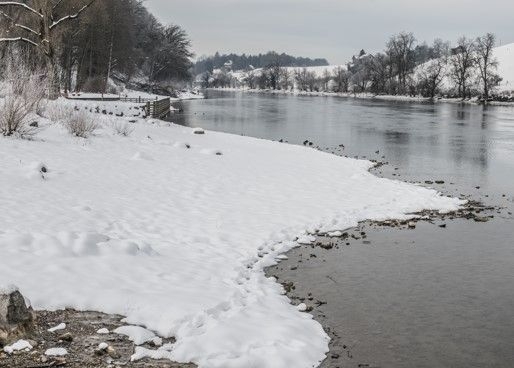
x,y
406,67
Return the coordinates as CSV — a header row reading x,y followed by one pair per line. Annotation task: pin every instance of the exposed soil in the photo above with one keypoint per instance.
x,y
81,340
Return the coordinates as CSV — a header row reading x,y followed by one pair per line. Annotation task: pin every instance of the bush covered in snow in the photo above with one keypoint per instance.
x,y
121,128
80,124
23,90
58,112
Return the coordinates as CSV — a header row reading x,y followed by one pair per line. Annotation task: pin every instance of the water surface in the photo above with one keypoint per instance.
x,y
430,297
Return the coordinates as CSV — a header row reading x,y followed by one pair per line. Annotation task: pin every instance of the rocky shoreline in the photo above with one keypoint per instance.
x,y
318,253
69,338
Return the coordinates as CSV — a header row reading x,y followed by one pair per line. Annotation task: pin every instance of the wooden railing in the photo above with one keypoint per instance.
x,y
158,109
137,99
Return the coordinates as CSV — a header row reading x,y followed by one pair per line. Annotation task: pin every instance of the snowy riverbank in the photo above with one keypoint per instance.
x,y
365,96
174,229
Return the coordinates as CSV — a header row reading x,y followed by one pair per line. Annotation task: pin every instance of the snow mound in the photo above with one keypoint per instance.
x,y
59,327
56,352
138,335
178,244
20,345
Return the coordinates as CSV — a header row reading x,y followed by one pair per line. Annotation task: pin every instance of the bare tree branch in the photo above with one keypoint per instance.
x,y
19,39
28,29
72,16
15,3
57,4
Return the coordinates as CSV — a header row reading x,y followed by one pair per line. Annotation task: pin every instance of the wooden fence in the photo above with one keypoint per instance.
x,y
158,109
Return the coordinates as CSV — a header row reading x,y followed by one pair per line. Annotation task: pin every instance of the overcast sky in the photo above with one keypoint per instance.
x,y
334,29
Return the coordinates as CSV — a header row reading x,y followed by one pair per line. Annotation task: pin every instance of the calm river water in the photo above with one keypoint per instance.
x,y
430,297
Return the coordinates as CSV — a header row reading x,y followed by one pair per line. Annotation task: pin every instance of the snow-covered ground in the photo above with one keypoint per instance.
x,y
181,95
173,230
505,56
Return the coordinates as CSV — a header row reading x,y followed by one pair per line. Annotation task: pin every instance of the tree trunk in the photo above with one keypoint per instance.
x,y
53,78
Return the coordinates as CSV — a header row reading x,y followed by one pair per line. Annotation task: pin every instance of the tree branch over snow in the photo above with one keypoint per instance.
x,y
57,4
21,26
19,39
72,16
15,3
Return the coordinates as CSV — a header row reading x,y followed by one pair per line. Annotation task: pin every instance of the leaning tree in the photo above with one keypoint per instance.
x,y
36,23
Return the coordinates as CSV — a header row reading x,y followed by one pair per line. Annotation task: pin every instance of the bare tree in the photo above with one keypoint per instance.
x,y
41,22
341,79
432,73
400,50
487,63
378,67
286,79
462,63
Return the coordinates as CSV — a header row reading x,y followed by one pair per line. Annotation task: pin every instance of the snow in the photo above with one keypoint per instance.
x,y
59,327
302,307
177,242
8,289
306,239
138,335
56,352
505,56
103,331
18,346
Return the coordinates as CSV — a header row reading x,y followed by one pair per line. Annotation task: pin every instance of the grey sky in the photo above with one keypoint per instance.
x,y
334,29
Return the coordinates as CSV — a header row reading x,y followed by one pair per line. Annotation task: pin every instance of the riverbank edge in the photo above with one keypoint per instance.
x,y
471,210
365,96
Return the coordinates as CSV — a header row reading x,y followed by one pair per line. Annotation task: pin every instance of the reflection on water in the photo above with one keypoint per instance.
x,y
474,144
430,297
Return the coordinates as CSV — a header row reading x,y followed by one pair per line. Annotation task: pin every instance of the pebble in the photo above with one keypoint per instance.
x,y
67,337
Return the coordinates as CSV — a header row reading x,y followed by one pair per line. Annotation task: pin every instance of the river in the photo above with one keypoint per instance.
x,y
430,297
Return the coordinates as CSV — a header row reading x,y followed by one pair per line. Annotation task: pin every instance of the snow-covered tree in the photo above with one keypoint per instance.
x,y
36,23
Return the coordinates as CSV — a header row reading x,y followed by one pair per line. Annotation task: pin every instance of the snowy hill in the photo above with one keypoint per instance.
x,y
505,56
173,230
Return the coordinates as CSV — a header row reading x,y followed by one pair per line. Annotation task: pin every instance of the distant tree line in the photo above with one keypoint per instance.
x,y
244,62
84,43
405,67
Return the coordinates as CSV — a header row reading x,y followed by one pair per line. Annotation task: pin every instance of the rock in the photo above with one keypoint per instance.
x,y
16,319
101,349
113,353
439,182
34,124
412,225
198,131
67,337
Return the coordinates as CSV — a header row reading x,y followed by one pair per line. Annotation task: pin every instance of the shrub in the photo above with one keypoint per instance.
x,y
14,114
80,124
23,90
121,128
58,112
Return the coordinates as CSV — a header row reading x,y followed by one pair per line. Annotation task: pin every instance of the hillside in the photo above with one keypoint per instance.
x,y
505,56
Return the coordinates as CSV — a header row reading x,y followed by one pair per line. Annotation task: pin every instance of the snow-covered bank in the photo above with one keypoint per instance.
x,y
364,96
176,239
128,93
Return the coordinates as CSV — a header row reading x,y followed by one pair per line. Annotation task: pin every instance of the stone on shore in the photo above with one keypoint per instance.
x,y
16,319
